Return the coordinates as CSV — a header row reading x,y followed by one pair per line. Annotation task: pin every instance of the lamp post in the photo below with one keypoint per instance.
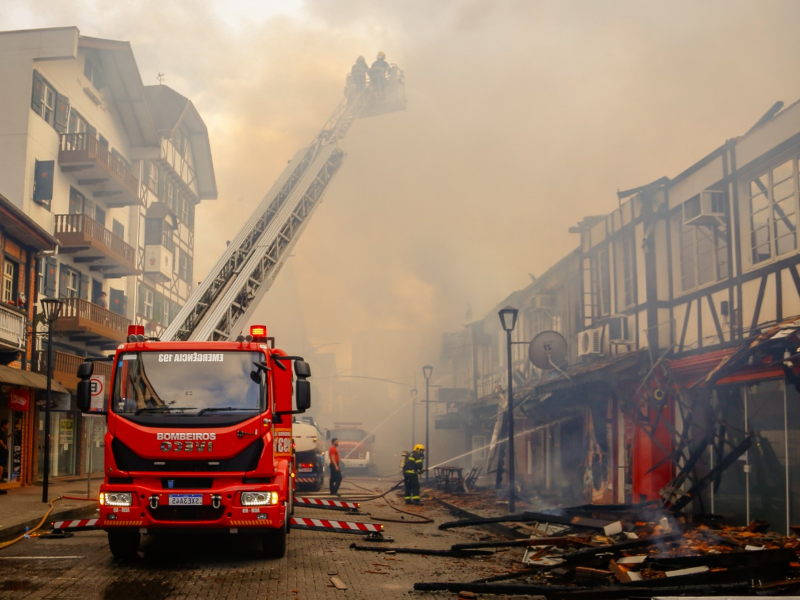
x,y
508,318
51,307
427,371
413,417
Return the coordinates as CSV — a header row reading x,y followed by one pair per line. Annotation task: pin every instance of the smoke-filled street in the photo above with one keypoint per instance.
x,y
369,299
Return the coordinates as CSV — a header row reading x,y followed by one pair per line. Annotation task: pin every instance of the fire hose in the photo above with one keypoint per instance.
x,y
44,519
420,520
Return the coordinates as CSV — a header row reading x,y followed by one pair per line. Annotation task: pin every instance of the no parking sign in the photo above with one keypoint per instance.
x,y
98,383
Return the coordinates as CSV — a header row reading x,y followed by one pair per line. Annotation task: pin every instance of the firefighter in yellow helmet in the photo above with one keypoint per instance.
x,y
378,72
411,470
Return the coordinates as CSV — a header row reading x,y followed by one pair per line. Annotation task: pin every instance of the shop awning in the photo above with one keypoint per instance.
x,y
38,381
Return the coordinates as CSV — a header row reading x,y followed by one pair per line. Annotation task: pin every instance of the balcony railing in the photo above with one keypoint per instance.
x,y
83,235
96,323
12,328
65,368
115,181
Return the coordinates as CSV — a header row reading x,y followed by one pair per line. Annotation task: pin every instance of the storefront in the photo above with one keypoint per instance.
x,y
18,393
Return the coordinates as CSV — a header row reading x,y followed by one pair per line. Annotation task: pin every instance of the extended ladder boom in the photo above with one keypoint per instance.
x,y
233,288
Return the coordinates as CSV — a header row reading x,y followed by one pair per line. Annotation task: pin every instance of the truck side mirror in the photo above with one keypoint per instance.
x,y
84,396
327,434
303,394
302,368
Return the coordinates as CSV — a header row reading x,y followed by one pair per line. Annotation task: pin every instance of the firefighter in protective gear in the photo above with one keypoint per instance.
x,y
358,74
378,71
411,471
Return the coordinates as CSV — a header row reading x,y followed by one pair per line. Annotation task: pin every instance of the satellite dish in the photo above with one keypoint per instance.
x,y
548,350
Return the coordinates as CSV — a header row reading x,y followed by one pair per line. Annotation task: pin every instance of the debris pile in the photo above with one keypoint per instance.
x,y
627,550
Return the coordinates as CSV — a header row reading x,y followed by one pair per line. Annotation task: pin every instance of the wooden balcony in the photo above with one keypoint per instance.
x,y
13,334
96,167
92,243
65,368
89,323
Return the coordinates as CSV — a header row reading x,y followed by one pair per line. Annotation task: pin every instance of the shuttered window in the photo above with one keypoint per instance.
x,y
49,104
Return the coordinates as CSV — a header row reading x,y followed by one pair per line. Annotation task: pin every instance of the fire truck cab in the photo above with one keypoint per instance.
x,y
355,446
199,438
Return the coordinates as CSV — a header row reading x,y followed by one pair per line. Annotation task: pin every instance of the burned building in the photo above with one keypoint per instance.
x,y
682,323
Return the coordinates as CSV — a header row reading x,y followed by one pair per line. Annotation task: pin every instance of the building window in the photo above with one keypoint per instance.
x,y
703,253
148,303
94,73
118,229
9,281
77,124
49,104
184,266
73,284
179,141
773,212
150,176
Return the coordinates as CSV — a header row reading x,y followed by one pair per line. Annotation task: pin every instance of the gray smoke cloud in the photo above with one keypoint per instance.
x,y
523,117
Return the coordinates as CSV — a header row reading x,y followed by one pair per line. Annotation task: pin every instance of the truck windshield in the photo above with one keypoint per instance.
x,y
349,435
187,383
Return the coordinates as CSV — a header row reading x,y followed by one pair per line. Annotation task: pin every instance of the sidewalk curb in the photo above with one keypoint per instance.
x,y
78,512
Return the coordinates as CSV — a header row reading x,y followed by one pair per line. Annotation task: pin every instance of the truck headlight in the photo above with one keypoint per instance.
x,y
116,499
259,498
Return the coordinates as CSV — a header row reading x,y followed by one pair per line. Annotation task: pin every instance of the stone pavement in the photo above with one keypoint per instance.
x,y
191,567
23,507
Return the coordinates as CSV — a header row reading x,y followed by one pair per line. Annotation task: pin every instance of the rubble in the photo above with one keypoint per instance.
x,y
650,551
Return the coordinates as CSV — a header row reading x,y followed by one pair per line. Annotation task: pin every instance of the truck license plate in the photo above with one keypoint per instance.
x,y
185,499
305,470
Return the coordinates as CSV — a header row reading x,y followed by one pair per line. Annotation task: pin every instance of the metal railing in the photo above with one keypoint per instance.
x,y
83,309
12,327
90,147
94,230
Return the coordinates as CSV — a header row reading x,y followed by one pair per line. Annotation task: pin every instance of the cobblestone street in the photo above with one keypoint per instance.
x,y
82,567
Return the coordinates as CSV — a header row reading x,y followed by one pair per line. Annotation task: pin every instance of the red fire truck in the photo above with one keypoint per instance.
x,y
200,424
199,438
355,446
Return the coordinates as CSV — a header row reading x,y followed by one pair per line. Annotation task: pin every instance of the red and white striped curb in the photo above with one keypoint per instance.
x,y
305,479
327,504
335,526
81,524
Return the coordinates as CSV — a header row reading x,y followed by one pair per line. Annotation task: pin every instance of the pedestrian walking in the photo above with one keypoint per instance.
x,y
411,470
335,467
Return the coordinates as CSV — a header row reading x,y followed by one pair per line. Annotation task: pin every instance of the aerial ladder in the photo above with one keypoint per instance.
x,y
221,305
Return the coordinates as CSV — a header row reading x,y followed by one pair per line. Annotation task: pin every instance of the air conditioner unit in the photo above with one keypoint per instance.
x,y
618,329
706,208
589,342
543,301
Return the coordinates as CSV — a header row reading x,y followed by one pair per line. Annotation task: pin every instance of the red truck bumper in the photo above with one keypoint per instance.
x,y
155,509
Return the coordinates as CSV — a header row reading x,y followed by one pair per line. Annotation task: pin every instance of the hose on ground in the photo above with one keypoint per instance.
x,y
420,520
44,519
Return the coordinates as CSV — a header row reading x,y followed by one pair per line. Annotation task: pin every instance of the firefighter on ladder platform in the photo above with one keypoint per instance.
x,y
411,470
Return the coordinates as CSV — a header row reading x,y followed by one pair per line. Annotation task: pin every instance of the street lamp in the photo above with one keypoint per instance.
x,y
51,308
508,318
413,416
427,371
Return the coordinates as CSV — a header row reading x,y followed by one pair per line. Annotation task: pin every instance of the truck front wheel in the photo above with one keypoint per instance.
x,y
273,543
124,545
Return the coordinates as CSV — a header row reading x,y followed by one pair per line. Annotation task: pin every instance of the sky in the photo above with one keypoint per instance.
x,y
523,117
